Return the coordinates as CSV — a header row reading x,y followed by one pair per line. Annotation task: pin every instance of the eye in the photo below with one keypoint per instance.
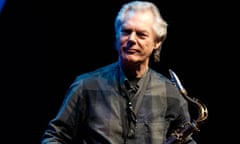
x,y
125,31
141,35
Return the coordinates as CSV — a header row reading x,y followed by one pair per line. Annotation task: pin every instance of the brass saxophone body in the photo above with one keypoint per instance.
x,y
179,136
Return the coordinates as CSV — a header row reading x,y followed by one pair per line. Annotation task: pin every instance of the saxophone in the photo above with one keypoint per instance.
x,y
179,135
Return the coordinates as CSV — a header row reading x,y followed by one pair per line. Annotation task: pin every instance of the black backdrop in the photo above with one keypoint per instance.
x,y
45,45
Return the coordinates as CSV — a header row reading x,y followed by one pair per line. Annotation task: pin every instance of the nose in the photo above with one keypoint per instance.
x,y
132,38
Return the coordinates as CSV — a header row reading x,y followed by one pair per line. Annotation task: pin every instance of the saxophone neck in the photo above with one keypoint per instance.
x,y
175,79
178,136
202,109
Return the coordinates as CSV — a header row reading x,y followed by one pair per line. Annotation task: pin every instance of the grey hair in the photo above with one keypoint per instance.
x,y
159,25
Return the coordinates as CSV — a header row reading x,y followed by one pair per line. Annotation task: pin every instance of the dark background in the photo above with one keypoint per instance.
x,y
45,45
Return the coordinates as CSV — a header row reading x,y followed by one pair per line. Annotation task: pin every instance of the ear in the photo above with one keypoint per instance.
x,y
157,44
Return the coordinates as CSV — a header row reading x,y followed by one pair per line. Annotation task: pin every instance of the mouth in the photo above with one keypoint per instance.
x,y
130,50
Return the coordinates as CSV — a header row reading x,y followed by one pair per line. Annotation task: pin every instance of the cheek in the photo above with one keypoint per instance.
x,y
121,42
149,48
123,39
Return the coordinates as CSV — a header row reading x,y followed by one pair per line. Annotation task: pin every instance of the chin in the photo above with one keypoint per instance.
x,y
131,58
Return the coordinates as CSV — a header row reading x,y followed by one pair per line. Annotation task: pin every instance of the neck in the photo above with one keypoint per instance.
x,y
135,70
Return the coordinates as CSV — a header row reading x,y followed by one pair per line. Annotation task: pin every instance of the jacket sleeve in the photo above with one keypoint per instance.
x,y
63,127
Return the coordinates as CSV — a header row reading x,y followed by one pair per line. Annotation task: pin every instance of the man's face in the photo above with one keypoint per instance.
x,y
137,38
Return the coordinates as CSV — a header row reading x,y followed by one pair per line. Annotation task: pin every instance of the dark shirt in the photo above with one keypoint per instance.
x,y
94,109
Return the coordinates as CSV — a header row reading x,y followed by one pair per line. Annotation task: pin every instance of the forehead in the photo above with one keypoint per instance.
x,y
138,18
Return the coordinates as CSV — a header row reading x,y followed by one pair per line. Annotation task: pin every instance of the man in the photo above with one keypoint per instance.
x,y
127,101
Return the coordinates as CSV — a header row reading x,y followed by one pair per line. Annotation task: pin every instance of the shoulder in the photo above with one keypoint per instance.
x,y
97,74
160,77
165,84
